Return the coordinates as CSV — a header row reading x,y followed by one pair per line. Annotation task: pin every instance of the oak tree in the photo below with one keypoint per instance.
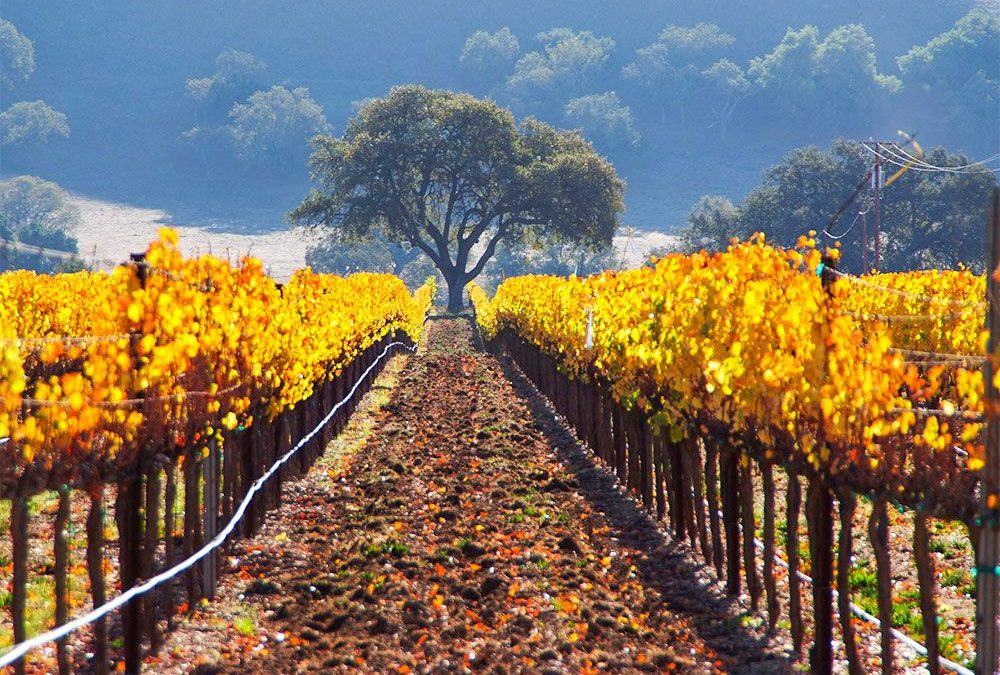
x,y
453,176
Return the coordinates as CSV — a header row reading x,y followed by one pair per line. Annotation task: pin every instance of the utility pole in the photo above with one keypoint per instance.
x,y
864,241
876,205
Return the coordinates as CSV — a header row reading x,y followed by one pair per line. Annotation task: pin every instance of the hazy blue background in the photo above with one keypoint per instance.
x,y
118,71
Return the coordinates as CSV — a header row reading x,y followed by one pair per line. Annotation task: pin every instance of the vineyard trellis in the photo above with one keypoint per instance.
x,y
221,451
706,477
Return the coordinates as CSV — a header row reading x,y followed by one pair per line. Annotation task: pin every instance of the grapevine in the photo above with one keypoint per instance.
x,y
750,342
99,368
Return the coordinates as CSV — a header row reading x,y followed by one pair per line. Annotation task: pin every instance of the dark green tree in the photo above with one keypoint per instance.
x,y
561,260
928,218
731,86
711,223
369,255
24,122
454,176
237,75
935,218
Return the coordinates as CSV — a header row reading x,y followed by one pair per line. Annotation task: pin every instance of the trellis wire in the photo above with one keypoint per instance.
x,y
97,613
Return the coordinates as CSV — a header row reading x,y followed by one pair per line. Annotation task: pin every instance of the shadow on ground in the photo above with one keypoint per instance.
x,y
670,567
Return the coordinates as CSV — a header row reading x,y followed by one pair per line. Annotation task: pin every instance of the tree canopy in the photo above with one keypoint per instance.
x,y
822,81
488,56
24,122
453,176
274,125
962,65
928,218
676,67
566,64
17,55
237,74
346,256
31,122
37,212
604,118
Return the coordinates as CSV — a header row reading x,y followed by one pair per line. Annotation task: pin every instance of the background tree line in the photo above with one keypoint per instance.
x,y
206,111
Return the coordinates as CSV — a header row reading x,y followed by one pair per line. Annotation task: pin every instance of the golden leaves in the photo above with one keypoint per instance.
x,y
190,347
751,338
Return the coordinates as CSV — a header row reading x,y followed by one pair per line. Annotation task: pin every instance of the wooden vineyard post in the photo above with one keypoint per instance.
x,y
749,529
659,465
925,579
169,523
731,518
95,570
878,535
128,513
210,516
770,588
793,504
819,506
128,507
988,548
245,460
61,556
152,538
845,549
19,554
688,470
678,488
618,419
698,477
712,494
644,437
191,513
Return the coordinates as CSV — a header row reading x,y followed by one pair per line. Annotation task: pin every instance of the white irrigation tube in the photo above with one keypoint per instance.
x,y
23,648
902,637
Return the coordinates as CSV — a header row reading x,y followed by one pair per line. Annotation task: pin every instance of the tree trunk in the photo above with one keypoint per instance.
x,y
456,287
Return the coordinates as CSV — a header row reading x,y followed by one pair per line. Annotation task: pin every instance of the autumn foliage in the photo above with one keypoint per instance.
x,y
872,379
95,367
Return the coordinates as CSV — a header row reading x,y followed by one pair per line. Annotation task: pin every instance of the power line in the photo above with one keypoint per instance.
x,y
901,158
981,163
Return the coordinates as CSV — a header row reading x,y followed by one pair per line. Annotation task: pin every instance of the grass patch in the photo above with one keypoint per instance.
x,y
245,625
393,547
954,578
906,613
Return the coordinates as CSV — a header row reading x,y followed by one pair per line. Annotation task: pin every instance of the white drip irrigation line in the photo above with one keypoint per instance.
x,y
902,637
93,615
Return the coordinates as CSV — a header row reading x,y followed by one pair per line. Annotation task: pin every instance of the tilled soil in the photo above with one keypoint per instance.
x,y
474,534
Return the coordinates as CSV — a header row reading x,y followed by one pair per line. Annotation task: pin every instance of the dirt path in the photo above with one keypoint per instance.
x,y
473,534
